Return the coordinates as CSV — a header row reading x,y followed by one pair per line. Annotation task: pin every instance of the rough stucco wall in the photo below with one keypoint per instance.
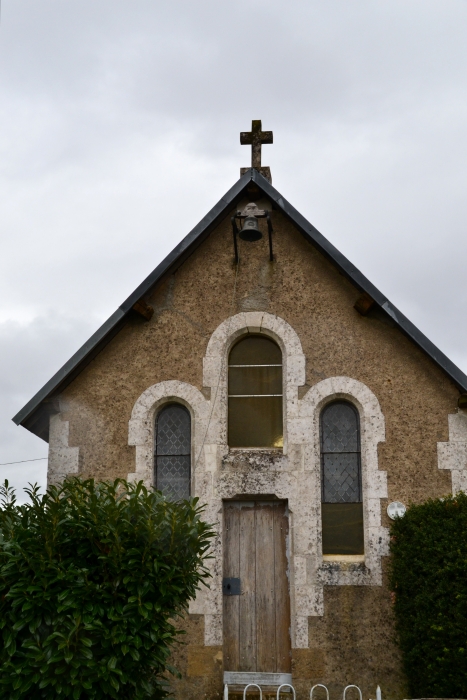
x,y
353,641
353,620
200,666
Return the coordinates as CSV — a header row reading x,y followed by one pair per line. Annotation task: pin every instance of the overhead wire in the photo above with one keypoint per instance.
x,y
221,369
23,461
40,459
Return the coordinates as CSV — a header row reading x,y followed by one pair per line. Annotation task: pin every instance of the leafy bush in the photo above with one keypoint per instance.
x,y
92,576
429,580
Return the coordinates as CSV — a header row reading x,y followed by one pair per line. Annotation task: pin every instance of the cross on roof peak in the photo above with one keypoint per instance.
x,y
256,138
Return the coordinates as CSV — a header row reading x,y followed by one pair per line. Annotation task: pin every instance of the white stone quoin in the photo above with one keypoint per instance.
x,y
63,460
453,454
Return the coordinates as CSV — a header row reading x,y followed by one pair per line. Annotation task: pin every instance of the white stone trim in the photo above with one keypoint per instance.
x,y
215,368
142,422
374,481
292,474
453,454
264,474
63,460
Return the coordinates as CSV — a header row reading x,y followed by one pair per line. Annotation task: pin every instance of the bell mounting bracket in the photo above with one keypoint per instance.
x,y
249,211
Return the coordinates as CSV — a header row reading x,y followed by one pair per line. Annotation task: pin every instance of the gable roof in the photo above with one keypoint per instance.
x,y
35,414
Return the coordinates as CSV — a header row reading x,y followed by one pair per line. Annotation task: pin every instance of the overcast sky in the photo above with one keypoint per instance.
x,y
119,130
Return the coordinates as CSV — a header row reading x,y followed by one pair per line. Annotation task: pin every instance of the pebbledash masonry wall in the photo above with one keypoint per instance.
x,y
414,440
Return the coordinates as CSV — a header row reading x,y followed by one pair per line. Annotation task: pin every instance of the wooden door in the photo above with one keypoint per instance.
x,y
257,620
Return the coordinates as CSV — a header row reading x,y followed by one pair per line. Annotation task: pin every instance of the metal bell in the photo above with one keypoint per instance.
x,y
250,231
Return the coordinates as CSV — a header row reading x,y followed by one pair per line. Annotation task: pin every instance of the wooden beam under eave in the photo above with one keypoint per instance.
x,y
364,304
143,309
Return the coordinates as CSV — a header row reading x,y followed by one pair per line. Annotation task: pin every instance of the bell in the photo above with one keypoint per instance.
x,y
250,231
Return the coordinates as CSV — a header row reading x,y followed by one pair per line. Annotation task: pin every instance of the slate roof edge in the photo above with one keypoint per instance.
x,y
113,324
364,284
116,321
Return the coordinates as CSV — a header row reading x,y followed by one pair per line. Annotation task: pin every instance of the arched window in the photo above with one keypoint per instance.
x,y
255,393
341,480
172,452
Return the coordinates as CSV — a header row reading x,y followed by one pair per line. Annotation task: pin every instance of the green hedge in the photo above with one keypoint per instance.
x,y
429,581
92,576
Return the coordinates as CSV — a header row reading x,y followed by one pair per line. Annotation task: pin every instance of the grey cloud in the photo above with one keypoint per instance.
x,y
30,354
119,129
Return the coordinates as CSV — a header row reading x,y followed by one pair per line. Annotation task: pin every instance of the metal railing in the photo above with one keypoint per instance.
x,y
319,685
288,685
348,688
253,685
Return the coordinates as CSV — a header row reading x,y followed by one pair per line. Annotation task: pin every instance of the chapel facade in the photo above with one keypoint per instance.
x,y
258,369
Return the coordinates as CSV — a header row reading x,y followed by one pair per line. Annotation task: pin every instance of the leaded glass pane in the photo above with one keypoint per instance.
x,y
342,508
173,476
173,431
173,452
341,483
340,454
339,428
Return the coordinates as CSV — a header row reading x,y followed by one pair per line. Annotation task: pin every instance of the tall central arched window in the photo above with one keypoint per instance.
x,y
255,393
172,452
341,479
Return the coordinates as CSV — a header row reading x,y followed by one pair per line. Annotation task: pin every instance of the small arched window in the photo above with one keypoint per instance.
x,y
255,393
341,479
172,452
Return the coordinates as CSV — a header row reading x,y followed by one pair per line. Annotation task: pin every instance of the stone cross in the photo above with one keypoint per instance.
x,y
256,138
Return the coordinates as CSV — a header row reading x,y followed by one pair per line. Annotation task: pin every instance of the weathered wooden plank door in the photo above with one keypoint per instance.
x,y
256,622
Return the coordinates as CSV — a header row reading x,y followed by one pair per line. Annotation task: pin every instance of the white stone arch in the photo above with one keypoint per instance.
x,y
142,423
223,480
215,367
374,481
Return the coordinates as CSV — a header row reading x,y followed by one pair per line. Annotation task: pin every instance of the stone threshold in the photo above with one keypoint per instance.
x,y
268,682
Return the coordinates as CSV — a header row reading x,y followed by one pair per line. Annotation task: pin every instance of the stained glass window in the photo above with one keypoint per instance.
x,y
255,393
172,454
341,487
